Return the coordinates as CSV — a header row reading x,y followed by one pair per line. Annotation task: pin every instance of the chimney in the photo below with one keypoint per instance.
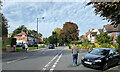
x,y
89,30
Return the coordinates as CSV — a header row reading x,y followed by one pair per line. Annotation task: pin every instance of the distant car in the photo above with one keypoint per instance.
x,y
51,46
101,58
19,45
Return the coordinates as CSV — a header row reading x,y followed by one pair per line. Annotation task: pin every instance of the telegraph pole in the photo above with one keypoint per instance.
x,y
37,33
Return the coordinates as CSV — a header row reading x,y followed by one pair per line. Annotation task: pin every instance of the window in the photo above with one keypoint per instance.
x,y
111,52
118,33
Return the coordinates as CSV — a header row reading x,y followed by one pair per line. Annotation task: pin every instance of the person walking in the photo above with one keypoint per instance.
x,y
75,52
26,47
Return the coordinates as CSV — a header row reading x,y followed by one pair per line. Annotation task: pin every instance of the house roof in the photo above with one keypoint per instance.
x,y
100,30
111,28
88,32
22,33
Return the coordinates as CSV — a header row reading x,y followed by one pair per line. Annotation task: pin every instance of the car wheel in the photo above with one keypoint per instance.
x,y
105,66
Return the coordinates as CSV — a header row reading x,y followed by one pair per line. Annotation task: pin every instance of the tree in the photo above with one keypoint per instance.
x,y
46,41
0,4
69,32
39,35
19,29
109,10
57,30
53,38
4,25
104,38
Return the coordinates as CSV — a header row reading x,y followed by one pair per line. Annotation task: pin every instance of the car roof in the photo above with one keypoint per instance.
x,y
106,48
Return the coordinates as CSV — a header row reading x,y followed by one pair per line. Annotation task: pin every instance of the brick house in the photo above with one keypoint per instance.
x,y
112,31
24,37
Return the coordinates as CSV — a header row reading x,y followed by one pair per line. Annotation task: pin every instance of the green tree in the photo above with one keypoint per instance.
x,y
104,38
109,10
3,25
53,38
39,35
19,29
46,41
57,30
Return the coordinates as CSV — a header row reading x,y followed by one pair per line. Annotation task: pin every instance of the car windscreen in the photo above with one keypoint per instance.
x,y
99,51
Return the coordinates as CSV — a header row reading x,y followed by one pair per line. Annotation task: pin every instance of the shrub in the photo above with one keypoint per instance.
x,y
9,41
75,42
70,46
105,45
116,46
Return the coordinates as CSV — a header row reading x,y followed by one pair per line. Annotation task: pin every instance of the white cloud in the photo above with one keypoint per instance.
x,y
55,13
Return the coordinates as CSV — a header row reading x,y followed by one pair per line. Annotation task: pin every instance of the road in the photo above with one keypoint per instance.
x,y
57,59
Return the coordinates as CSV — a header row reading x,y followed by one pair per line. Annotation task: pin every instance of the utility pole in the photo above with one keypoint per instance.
x,y
37,33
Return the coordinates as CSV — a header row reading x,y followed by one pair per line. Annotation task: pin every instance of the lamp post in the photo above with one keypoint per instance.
x,y
37,31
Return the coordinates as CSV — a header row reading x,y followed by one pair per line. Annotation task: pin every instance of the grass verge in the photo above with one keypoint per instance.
x,y
30,48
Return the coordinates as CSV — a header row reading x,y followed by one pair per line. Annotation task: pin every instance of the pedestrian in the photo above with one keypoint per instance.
x,y
26,47
75,52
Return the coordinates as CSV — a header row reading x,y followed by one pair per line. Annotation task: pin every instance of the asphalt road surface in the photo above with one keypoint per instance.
x,y
45,59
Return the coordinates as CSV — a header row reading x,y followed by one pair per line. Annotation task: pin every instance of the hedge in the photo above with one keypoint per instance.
x,y
9,41
76,42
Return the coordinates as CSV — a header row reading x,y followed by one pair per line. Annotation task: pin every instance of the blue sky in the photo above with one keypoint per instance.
x,y
55,15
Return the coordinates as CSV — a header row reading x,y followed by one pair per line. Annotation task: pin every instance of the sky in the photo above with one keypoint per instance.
x,y
55,15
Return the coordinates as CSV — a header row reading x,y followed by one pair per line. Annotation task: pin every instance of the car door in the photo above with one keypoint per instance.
x,y
111,58
116,56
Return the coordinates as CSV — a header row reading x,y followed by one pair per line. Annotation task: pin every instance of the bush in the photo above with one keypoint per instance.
x,y
9,41
75,42
105,45
116,46
70,46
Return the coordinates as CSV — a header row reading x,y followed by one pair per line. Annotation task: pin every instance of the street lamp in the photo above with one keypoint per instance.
x,y
37,31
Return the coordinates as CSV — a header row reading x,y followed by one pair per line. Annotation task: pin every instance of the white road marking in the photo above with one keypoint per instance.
x,y
53,67
12,61
51,61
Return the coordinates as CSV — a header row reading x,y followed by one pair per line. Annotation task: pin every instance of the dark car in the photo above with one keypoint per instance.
x,y
51,46
101,58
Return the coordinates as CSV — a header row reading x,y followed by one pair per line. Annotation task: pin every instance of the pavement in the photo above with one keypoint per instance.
x,y
58,59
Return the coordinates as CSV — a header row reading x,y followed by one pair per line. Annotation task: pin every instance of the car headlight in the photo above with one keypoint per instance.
x,y
98,60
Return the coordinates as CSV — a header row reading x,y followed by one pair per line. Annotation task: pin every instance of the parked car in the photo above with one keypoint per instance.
x,y
101,58
51,46
19,45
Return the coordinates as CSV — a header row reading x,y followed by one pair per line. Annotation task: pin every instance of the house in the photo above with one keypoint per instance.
x,y
112,31
94,33
90,35
24,37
